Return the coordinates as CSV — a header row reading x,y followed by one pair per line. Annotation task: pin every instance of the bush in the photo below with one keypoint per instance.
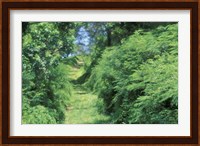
x,y
38,115
46,86
139,77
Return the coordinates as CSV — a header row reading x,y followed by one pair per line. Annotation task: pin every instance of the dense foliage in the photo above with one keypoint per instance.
x,y
45,84
131,66
138,79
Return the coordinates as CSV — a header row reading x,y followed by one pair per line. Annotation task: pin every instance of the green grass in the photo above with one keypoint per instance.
x,y
79,69
75,72
84,108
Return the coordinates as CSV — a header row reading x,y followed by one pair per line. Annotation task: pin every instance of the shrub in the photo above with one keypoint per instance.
x,y
140,76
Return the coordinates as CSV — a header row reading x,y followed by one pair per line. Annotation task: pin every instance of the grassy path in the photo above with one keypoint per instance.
x,y
84,107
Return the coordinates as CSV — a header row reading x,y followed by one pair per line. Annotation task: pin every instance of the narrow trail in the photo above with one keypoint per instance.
x,y
84,107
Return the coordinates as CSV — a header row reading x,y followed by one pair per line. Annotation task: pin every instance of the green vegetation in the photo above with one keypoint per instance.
x,y
46,87
84,108
90,73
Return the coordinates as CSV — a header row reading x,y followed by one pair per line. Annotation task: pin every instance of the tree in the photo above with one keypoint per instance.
x,y
44,46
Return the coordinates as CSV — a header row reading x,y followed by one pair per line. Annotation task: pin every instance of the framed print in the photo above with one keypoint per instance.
x,y
100,72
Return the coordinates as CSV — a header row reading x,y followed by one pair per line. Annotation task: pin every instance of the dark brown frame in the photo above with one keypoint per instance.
x,y
7,139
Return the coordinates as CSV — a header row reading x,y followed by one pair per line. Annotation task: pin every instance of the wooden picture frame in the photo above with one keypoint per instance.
x,y
7,139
